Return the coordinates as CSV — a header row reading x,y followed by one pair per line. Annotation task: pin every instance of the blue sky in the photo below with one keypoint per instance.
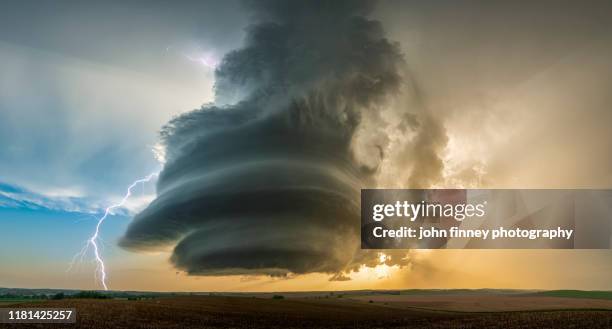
x,y
84,91
85,88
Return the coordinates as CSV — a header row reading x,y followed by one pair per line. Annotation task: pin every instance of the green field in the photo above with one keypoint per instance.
x,y
576,294
7,301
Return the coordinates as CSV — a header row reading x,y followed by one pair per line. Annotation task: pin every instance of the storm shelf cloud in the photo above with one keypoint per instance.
x,y
267,179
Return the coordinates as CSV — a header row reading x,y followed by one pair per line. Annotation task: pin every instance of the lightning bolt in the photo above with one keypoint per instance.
x,y
93,240
207,60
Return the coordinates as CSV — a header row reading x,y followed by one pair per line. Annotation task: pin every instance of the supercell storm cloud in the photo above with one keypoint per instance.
x,y
266,181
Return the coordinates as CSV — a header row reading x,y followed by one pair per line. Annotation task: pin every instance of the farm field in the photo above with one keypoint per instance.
x,y
13,301
486,302
256,312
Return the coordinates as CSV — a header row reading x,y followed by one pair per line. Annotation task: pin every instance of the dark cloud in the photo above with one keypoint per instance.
x,y
269,182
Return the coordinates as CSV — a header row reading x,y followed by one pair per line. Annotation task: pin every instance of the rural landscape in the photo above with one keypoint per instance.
x,y
305,164
344,309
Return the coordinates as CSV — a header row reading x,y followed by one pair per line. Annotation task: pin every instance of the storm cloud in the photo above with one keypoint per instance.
x,y
267,179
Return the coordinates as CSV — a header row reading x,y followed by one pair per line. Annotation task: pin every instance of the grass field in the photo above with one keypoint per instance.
x,y
486,302
577,294
15,301
251,312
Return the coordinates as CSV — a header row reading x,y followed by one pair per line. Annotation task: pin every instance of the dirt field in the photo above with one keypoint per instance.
x,y
487,303
241,312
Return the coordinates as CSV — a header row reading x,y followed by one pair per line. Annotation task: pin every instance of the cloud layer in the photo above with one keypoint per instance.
x,y
267,180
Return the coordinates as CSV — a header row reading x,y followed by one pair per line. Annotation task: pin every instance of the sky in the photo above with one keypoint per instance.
x,y
508,96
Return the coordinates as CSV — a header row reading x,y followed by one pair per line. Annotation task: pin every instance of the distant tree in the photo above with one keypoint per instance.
x,y
278,297
59,295
90,294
